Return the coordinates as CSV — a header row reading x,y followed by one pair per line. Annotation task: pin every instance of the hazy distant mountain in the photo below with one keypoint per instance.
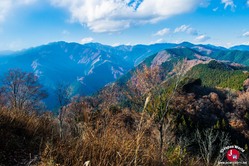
x,y
89,67
240,47
236,56
195,54
7,52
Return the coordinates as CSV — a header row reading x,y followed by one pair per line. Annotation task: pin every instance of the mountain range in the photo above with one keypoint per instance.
x,y
88,68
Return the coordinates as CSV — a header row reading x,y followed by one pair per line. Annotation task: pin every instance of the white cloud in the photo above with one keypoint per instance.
x,y
205,3
115,44
247,3
162,32
245,43
202,38
182,28
229,3
86,40
215,9
7,5
187,29
116,15
26,2
246,34
157,41
191,31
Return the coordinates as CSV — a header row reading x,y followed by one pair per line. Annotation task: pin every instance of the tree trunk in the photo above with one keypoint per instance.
x,y
60,122
161,141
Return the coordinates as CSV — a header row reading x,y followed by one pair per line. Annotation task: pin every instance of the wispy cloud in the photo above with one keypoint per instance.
x,y
215,9
65,32
246,34
158,41
7,5
162,32
4,8
205,3
86,40
26,2
202,38
116,15
182,28
187,29
115,44
228,3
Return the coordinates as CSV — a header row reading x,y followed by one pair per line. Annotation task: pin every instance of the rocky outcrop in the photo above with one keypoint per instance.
x,y
246,85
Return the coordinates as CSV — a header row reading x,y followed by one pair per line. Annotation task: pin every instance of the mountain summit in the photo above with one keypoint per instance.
x,y
88,68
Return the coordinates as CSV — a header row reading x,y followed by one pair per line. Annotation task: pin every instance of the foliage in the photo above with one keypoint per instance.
x,y
101,131
217,74
242,101
176,155
232,56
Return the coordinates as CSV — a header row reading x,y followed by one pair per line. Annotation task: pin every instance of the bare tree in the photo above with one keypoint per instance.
x,y
22,91
165,99
209,141
148,79
141,83
139,92
63,93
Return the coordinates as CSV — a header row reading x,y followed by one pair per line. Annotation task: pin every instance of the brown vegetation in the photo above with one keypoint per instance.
x,y
177,124
22,136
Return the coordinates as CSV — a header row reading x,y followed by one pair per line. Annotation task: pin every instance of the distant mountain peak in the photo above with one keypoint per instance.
x,y
240,48
186,44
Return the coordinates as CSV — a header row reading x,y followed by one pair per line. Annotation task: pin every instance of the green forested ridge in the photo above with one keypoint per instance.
x,y
176,54
216,74
232,56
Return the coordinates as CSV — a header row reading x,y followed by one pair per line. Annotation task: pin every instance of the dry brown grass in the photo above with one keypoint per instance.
x,y
105,143
22,136
107,149
115,139
109,138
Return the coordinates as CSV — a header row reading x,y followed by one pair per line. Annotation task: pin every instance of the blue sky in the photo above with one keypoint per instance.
x,y
28,23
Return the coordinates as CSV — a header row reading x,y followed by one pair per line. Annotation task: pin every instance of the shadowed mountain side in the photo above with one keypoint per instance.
x,y
88,68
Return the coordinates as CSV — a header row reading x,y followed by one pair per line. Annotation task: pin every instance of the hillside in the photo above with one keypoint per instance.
x,y
166,59
82,66
218,74
131,132
124,83
79,66
236,56
147,117
240,48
